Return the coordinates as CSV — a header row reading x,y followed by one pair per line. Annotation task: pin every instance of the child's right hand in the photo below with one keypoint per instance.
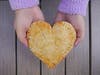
x,y
23,19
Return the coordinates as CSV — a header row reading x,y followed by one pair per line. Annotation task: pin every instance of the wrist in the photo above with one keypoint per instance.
x,y
34,12
30,10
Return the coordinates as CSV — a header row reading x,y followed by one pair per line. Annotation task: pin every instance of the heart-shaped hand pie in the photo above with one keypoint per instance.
x,y
51,44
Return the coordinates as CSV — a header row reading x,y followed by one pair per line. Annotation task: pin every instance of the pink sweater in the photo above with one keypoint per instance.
x,y
65,6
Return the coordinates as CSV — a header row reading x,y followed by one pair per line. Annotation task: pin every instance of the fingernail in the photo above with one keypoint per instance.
x,y
76,43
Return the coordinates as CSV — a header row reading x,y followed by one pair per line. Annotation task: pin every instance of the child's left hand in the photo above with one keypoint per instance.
x,y
78,23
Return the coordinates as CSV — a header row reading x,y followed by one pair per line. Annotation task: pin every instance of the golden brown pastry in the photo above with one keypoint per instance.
x,y
51,44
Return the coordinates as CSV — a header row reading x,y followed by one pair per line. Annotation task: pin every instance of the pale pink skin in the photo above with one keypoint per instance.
x,y
24,17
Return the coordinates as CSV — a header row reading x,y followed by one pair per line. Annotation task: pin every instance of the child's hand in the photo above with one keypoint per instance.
x,y
78,23
23,19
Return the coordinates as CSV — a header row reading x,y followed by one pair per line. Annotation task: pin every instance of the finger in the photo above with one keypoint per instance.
x,y
77,41
79,37
22,37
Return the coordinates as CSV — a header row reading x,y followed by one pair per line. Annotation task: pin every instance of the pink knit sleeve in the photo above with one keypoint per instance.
x,y
19,4
73,6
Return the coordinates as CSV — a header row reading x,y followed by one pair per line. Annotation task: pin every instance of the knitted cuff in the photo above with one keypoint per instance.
x,y
19,4
73,6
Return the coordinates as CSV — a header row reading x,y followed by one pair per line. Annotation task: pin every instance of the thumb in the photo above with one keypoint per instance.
x,y
59,17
